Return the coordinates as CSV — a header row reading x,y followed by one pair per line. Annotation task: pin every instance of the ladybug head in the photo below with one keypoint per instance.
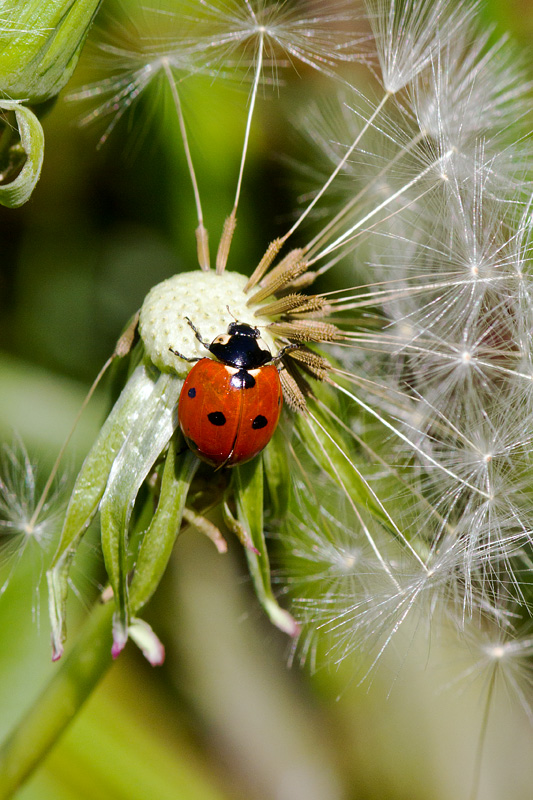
x,y
241,346
243,329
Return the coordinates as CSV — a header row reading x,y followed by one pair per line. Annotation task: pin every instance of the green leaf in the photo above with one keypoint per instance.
x,y
247,481
276,463
148,436
40,43
16,192
88,491
159,539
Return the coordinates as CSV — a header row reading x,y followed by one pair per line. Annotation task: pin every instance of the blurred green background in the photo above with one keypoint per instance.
x,y
224,717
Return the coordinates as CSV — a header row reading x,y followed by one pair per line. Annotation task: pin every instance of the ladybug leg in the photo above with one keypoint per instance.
x,y
180,355
198,335
283,352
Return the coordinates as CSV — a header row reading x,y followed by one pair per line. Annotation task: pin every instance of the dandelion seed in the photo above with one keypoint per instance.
x,y
138,53
313,35
473,89
409,35
500,657
23,534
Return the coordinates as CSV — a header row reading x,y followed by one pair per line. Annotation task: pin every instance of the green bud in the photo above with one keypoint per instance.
x,y
40,43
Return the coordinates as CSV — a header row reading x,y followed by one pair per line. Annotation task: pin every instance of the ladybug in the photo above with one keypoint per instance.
x,y
229,408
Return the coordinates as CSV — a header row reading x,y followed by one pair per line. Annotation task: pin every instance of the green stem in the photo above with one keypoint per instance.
x,y
76,677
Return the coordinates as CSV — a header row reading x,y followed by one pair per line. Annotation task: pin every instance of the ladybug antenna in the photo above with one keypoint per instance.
x,y
232,314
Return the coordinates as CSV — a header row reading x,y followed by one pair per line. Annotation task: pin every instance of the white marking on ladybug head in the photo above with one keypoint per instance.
x,y
222,339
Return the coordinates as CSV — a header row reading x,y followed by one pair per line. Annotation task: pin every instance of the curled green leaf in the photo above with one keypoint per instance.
x,y
22,162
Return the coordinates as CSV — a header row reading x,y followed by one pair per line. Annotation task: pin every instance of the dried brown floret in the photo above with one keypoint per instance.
x,y
317,366
301,282
225,242
124,344
303,330
292,303
269,256
292,394
286,271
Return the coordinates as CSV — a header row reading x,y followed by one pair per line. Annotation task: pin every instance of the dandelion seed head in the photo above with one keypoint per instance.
x,y
314,35
440,371
212,301
473,88
409,35
496,652
134,50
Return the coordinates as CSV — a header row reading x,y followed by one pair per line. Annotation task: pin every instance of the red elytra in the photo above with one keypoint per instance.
x,y
224,421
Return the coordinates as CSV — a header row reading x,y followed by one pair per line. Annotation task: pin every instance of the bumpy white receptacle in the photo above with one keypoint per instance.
x,y
205,298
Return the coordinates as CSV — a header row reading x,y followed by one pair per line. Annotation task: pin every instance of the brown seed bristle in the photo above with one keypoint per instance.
x,y
302,330
269,256
285,264
291,303
225,242
292,394
317,366
301,282
322,310
124,344
283,273
202,247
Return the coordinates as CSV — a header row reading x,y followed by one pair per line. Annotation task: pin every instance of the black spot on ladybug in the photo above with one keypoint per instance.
x,y
216,418
242,380
279,400
259,422
192,392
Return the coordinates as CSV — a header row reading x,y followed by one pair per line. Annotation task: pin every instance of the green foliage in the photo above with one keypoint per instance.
x,y
41,44
88,491
248,488
160,536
